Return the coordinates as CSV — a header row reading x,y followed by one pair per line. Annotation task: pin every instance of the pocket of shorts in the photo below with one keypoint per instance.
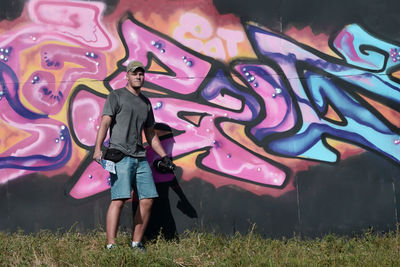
x,y
114,155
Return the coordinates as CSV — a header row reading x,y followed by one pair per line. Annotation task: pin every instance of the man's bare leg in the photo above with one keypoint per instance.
x,y
112,221
141,218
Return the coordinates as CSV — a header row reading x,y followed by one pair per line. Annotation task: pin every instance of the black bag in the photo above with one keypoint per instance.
x,y
114,155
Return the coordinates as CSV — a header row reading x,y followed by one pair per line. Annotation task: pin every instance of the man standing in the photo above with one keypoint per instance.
x,y
126,113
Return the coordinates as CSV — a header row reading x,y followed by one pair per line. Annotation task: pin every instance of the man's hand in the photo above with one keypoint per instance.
x,y
168,163
97,155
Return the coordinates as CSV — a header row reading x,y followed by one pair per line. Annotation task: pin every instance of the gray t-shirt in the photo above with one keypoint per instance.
x,y
130,114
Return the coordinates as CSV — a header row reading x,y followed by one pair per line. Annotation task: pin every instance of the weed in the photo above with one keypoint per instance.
x,y
194,248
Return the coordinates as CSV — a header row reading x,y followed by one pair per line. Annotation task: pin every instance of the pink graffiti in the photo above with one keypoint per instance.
x,y
223,155
188,70
75,24
345,42
86,115
279,117
42,90
204,41
79,22
45,138
92,181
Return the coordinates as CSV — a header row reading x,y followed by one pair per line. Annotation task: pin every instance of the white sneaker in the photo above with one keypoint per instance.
x,y
111,246
139,246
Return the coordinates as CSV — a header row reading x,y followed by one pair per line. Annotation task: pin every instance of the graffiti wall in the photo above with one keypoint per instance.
x,y
283,116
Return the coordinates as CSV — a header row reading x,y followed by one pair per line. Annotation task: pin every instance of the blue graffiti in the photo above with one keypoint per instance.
x,y
322,82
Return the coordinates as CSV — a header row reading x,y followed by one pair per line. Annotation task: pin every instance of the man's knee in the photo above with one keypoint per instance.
x,y
146,203
117,203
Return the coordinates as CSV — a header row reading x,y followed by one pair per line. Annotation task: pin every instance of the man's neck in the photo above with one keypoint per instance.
x,y
133,90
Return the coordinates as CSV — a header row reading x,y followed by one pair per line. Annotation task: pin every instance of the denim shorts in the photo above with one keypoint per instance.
x,y
132,173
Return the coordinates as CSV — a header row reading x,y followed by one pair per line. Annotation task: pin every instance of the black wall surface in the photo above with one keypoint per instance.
x,y
329,199
322,16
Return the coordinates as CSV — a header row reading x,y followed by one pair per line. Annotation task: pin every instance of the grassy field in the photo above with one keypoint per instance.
x,y
198,249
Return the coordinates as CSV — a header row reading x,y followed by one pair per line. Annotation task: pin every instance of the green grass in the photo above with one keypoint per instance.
x,y
198,249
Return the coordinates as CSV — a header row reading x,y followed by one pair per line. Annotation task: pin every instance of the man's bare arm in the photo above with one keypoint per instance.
x,y
101,136
154,141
